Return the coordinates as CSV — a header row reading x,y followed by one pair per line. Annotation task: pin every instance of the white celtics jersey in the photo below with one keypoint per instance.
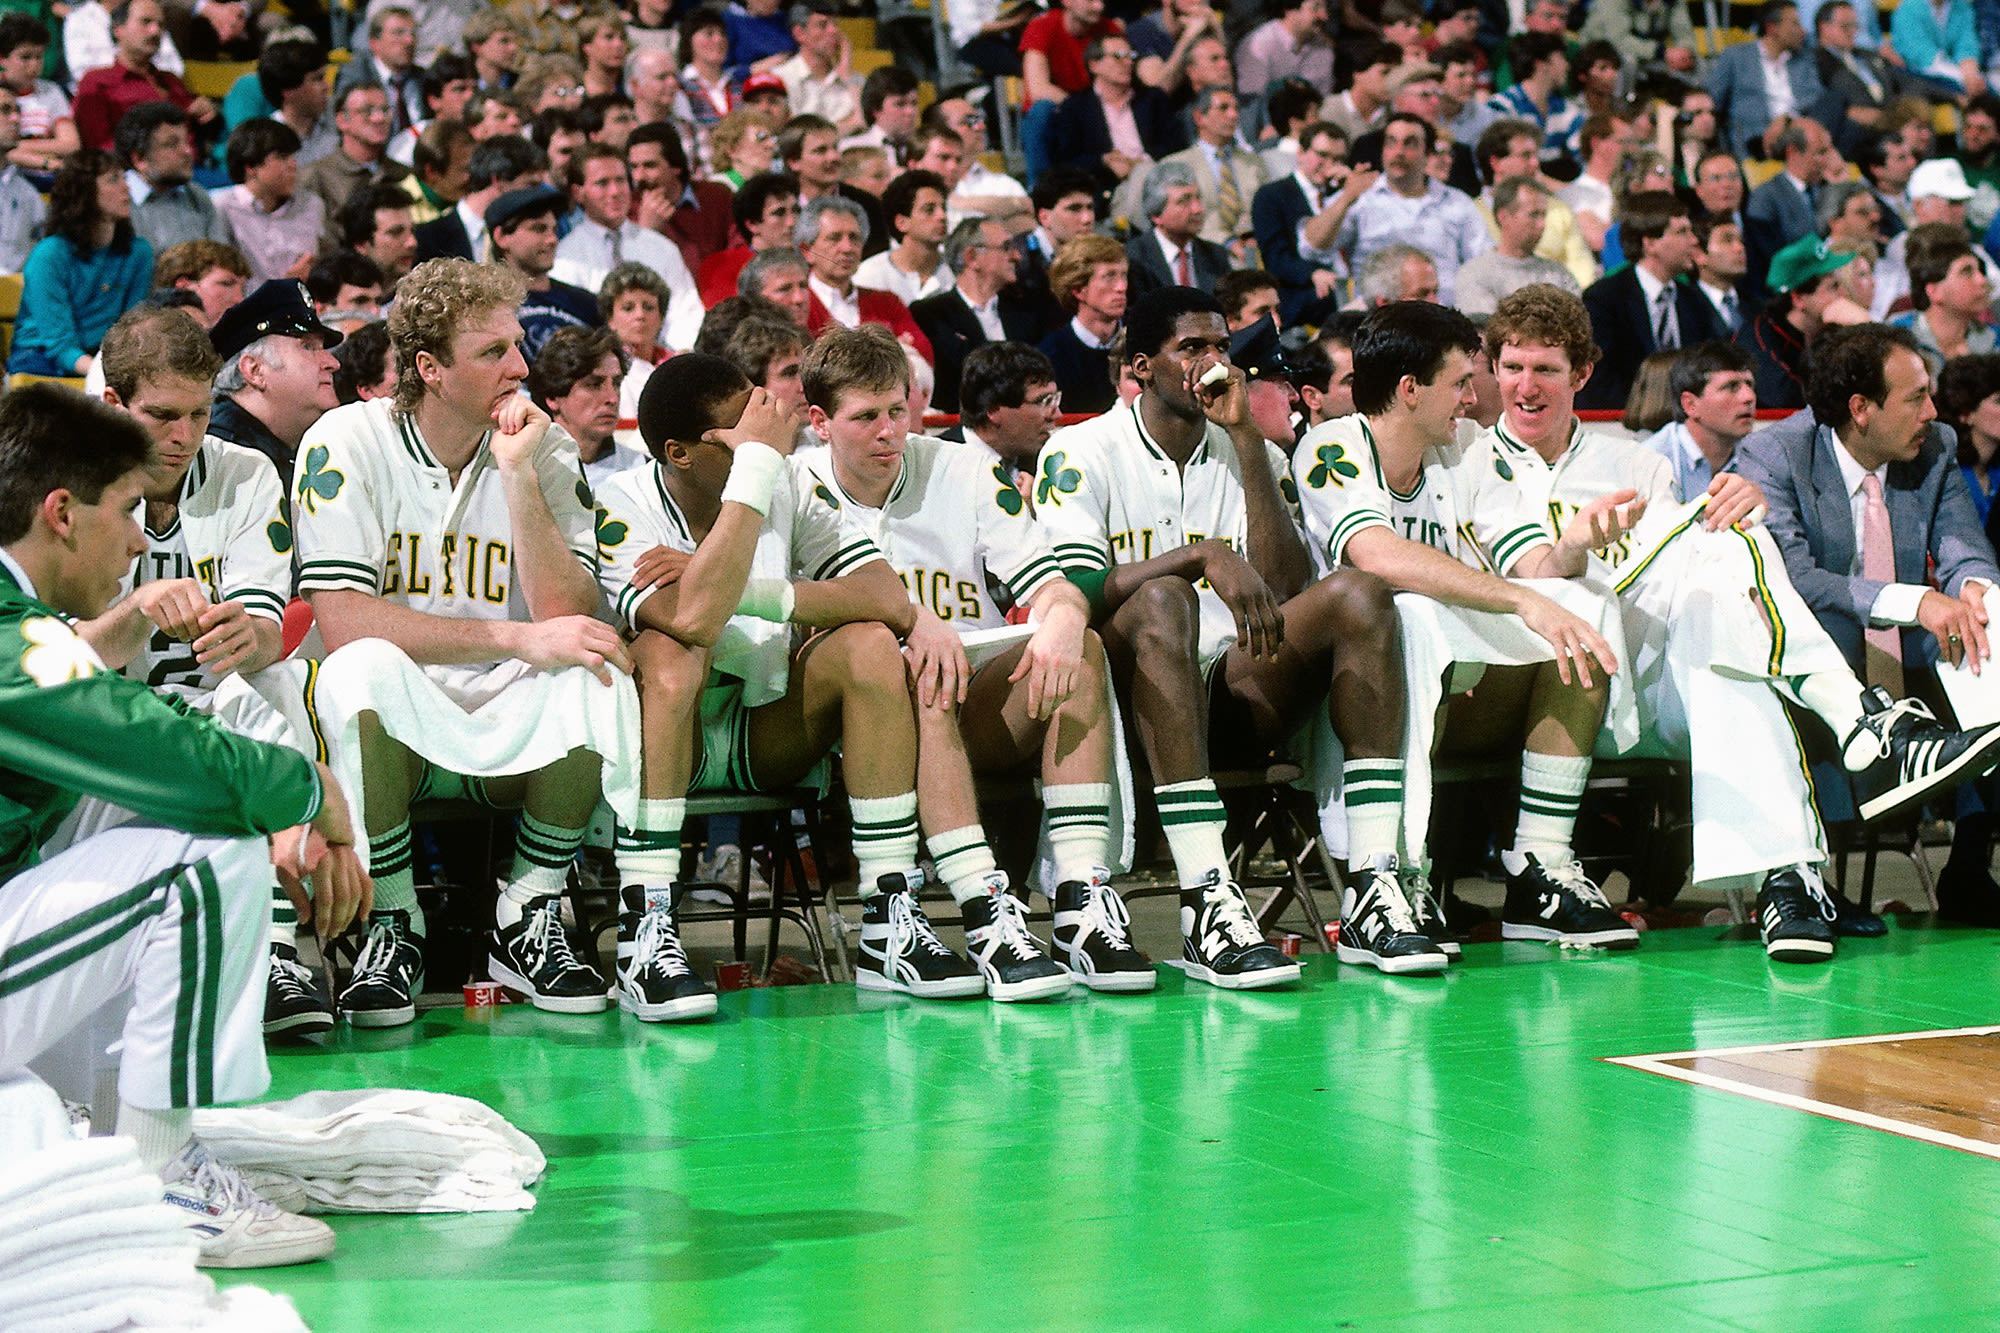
x,y
957,532
376,513
230,532
1460,504
1594,464
1108,496
807,536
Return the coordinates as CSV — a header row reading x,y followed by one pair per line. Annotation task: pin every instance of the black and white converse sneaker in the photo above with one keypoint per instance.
x,y
1906,753
1220,941
1427,905
1558,904
1093,937
1796,916
900,951
535,957
1377,927
295,1005
656,984
1012,960
388,974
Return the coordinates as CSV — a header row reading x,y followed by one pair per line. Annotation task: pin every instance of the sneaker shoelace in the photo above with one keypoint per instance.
x,y
1423,898
1233,914
659,946
1828,909
1010,928
1569,877
1390,902
224,1184
1884,722
908,926
1104,911
378,952
545,933
291,976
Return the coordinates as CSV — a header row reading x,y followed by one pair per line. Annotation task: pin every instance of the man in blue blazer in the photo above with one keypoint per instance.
x,y
1738,82
1780,210
1628,310
1307,201
1081,137
1871,426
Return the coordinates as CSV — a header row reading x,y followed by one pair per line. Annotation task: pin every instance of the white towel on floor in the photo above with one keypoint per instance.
x,y
378,1150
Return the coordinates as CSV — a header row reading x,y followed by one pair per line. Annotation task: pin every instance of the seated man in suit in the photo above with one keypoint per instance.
x,y
977,310
1173,254
1780,210
497,166
1297,218
1880,537
1065,207
1089,282
1117,125
1739,79
1857,82
1227,174
1645,307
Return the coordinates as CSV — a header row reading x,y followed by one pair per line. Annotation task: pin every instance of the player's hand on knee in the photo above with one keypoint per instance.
x,y
1053,661
174,605
518,427
936,658
1260,626
1575,642
659,568
1731,500
581,641
228,637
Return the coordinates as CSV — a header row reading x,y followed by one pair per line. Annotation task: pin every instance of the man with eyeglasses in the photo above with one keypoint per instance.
x,y
1296,220
1008,401
982,192
974,312
361,158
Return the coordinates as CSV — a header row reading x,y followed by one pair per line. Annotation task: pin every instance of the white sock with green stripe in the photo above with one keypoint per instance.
x,y
1079,816
395,882
284,919
963,861
1192,817
885,837
1372,792
160,1135
1551,793
542,856
650,854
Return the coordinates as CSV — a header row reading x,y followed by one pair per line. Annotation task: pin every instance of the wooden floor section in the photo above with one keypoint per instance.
x,y
1422,1155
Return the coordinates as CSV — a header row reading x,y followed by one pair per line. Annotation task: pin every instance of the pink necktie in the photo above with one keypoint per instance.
x,y
1878,562
1186,273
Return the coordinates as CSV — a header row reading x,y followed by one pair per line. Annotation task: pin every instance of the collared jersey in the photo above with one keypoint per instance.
x,y
375,512
231,532
1594,464
958,534
1461,504
807,535
1108,495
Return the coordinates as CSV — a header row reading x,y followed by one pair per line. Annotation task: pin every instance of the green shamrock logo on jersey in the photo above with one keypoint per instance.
x,y
318,482
1056,480
1500,466
823,493
610,532
280,533
1008,499
1288,489
54,654
584,497
1333,465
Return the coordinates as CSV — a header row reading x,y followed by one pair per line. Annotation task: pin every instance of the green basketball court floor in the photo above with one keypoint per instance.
x,y
1362,1152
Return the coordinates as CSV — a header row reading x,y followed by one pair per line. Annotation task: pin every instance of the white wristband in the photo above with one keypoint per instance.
x,y
753,473
767,599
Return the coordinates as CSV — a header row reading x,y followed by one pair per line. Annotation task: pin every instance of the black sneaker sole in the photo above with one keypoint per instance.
x,y
1897,799
947,988
1622,938
380,1018
298,1025
1261,979
554,1004
1116,983
1799,951
1032,988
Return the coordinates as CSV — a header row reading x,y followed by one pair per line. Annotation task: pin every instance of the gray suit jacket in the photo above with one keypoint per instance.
x,y
1937,534
1736,81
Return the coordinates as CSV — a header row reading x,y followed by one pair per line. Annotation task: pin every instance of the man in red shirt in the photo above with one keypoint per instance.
x,y
1053,67
831,234
105,95
766,210
695,215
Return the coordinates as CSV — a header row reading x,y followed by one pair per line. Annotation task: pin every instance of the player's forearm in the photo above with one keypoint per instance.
x,y
553,581
1409,566
870,593
711,587
1183,562
270,644
344,617
1277,552
119,635
1055,595
1560,560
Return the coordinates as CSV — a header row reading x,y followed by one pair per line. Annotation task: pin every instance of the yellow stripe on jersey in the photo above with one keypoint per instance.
x,y
1632,575
1769,602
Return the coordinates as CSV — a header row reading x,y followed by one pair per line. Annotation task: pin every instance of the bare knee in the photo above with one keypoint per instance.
x,y
1357,604
1161,617
866,657
671,675
1088,695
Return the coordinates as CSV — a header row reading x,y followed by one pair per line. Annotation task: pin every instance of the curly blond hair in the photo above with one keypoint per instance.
x,y
432,304
1541,315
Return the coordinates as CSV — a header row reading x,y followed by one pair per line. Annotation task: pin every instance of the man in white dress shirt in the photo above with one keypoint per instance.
x,y
913,267
607,237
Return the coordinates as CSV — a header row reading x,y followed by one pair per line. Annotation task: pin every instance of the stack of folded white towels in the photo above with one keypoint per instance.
x,y
377,1151
86,1245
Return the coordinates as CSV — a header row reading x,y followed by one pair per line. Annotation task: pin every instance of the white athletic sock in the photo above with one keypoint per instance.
x,y
395,882
1372,791
1551,793
1835,698
160,1134
542,856
885,838
964,861
1079,829
1192,817
651,853
284,919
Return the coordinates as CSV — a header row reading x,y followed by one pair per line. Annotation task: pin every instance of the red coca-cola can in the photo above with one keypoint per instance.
x,y
1285,942
482,995
1332,934
734,976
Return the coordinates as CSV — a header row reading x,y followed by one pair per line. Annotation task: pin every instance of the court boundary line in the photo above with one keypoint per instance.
x,y
1655,1064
